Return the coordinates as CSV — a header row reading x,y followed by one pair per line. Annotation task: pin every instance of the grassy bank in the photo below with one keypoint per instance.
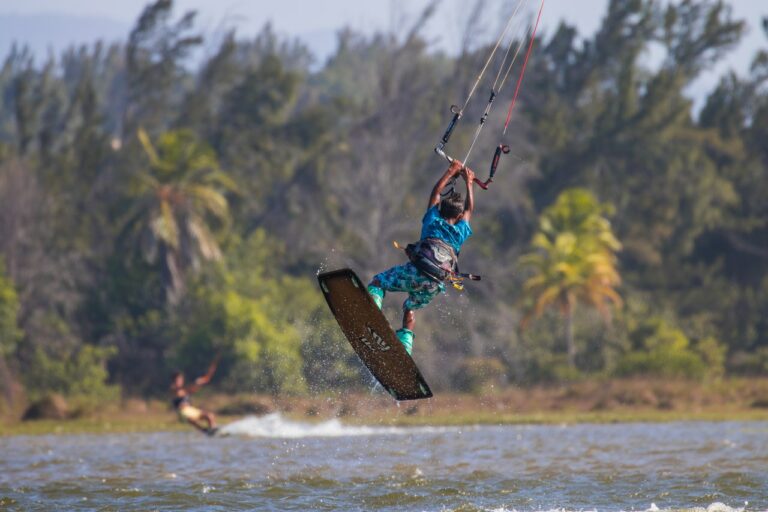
x,y
583,402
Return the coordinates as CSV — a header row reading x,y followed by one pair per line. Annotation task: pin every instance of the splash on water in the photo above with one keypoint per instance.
x,y
275,426
714,507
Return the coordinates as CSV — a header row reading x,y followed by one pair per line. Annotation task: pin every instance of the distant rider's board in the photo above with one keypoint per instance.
x,y
369,333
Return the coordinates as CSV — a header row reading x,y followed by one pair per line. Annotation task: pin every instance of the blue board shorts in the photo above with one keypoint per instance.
x,y
407,278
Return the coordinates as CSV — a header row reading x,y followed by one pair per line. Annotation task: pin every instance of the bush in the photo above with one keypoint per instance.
x,y
80,375
713,354
665,351
662,364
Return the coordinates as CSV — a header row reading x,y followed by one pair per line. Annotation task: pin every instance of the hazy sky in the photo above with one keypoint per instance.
x,y
315,21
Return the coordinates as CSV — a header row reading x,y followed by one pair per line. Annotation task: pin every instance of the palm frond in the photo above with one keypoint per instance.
x,y
149,149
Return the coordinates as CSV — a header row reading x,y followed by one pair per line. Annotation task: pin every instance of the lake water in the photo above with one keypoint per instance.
x,y
275,464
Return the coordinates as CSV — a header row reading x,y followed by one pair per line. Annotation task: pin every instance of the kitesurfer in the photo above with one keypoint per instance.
x,y
433,259
205,421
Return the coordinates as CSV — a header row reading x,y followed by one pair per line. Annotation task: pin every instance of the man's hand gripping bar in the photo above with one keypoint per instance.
x,y
501,148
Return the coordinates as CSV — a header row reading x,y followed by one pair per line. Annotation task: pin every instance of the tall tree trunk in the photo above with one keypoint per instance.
x,y
569,336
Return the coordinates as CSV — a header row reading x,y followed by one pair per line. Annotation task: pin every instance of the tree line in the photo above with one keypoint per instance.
x,y
166,198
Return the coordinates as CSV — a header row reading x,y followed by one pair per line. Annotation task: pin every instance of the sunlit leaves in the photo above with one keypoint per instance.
x,y
574,259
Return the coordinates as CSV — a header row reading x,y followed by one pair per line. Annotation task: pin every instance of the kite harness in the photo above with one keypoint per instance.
x,y
437,260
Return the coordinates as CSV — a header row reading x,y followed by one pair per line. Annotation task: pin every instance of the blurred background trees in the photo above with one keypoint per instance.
x,y
157,208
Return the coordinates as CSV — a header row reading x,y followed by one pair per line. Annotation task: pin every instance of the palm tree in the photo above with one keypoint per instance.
x,y
574,261
179,201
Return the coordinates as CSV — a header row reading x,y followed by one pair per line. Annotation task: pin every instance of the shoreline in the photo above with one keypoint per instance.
x,y
167,423
587,402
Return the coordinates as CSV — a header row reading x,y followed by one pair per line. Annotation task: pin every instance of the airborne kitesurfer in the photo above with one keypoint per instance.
x,y
433,259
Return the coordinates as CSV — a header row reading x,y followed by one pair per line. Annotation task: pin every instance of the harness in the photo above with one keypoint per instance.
x,y
437,260
179,401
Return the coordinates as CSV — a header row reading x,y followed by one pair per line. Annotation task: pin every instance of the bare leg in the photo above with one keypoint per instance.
x,y
409,319
210,418
198,425
200,422
405,335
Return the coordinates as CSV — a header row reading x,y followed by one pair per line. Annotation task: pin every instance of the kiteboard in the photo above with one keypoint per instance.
x,y
371,336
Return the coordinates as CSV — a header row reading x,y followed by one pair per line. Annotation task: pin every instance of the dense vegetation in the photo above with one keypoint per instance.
x,y
157,207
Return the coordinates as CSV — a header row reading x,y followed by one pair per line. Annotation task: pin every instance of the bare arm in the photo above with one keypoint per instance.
x,y
453,170
469,205
205,379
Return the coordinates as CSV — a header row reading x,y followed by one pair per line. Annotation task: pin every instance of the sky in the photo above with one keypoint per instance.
x,y
54,24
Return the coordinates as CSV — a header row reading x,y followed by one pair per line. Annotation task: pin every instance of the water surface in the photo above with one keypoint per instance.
x,y
282,465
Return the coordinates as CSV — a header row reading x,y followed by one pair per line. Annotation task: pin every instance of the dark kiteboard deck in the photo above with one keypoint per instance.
x,y
369,333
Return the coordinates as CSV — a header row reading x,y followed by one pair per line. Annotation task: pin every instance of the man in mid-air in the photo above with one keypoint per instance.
x,y
204,421
433,259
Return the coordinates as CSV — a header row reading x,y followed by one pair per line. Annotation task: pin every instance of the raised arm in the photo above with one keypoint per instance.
x,y
205,379
469,205
453,170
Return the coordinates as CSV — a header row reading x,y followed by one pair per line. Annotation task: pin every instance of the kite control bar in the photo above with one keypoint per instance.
x,y
440,150
501,148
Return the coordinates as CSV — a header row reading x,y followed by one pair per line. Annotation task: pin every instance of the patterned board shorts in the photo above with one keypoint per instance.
x,y
407,278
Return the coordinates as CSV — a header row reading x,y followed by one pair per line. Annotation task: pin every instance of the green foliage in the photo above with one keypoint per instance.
x,y
713,355
79,374
577,211
665,351
574,260
10,334
263,322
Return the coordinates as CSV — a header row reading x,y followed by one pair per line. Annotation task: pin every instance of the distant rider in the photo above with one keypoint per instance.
x,y
205,421
445,227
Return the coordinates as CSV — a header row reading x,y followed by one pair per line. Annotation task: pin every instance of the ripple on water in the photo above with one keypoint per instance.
x,y
392,499
586,467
